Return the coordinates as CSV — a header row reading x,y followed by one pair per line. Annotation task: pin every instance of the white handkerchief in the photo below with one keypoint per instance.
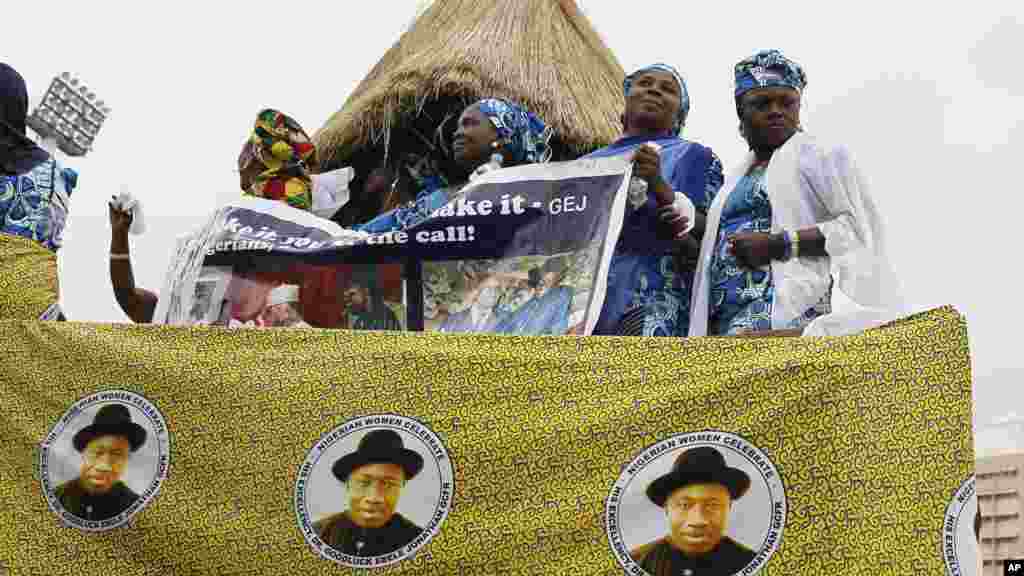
x,y
685,207
128,203
330,191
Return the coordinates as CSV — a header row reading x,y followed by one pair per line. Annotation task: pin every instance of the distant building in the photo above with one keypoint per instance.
x,y
1000,488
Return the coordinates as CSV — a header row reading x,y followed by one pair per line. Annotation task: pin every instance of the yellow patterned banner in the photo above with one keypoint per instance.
x,y
158,450
28,279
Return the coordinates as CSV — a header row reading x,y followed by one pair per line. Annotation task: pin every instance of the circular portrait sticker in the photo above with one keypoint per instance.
x,y
961,532
693,501
374,490
104,460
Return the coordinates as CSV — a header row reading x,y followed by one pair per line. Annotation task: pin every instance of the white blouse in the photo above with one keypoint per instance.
x,y
810,184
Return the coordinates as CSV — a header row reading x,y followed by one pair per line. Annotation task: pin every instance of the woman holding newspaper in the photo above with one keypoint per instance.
x,y
275,164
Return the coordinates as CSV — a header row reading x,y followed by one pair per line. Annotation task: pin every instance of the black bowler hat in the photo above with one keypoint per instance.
x,y
112,420
376,447
702,465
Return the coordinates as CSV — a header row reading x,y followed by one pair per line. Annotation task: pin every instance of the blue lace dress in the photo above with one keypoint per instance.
x,y
34,205
647,295
741,298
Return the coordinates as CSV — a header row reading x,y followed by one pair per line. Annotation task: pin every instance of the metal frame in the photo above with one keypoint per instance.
x,y
70,115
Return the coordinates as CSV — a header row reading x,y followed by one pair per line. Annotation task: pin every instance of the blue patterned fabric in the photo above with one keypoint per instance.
x,y
35,204
741,298
525,135
643,274
546,314
765,69
433,197
684,95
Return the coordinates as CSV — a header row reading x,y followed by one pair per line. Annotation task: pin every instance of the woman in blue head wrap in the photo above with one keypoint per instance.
x,y
795,215
486,128
34,190
648,288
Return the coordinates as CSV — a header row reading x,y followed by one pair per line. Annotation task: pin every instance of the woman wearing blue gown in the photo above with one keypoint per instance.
x,y
795,219
648,292
34,190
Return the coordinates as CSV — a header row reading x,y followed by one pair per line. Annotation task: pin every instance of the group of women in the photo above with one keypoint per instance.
x,y
763,252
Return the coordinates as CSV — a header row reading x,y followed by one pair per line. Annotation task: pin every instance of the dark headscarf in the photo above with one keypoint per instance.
x,y
525,134
765,69
18,154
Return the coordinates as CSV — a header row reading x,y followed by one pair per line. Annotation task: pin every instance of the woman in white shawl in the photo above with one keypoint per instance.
x,y
795,216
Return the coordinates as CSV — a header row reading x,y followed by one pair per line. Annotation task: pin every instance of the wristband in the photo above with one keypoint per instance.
x,y
793,244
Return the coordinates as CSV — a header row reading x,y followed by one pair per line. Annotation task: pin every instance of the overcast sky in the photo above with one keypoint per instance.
x,y
930,100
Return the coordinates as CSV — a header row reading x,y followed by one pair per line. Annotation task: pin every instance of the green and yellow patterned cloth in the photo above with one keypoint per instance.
x,y
286,156
28,278
870,436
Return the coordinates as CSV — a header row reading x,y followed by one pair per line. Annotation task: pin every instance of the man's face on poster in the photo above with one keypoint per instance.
x,y
248,296
548,281
103,461
487,298
698,515
281,315
373,492
356,298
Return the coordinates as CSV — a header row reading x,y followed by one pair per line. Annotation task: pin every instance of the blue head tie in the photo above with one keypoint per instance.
x,y
525,135
684,95
766,69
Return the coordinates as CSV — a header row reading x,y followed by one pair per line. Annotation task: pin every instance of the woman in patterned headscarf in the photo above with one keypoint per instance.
x,y
796,214
489,127
275,163
648,290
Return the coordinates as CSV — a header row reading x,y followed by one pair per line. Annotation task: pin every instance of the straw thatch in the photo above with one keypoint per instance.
x,y
542,53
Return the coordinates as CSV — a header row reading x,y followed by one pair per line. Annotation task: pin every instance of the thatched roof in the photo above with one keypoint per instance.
x,y
543,53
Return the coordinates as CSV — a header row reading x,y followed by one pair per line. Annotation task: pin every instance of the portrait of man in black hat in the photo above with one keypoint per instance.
x,y
106,446
374,477
697,496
